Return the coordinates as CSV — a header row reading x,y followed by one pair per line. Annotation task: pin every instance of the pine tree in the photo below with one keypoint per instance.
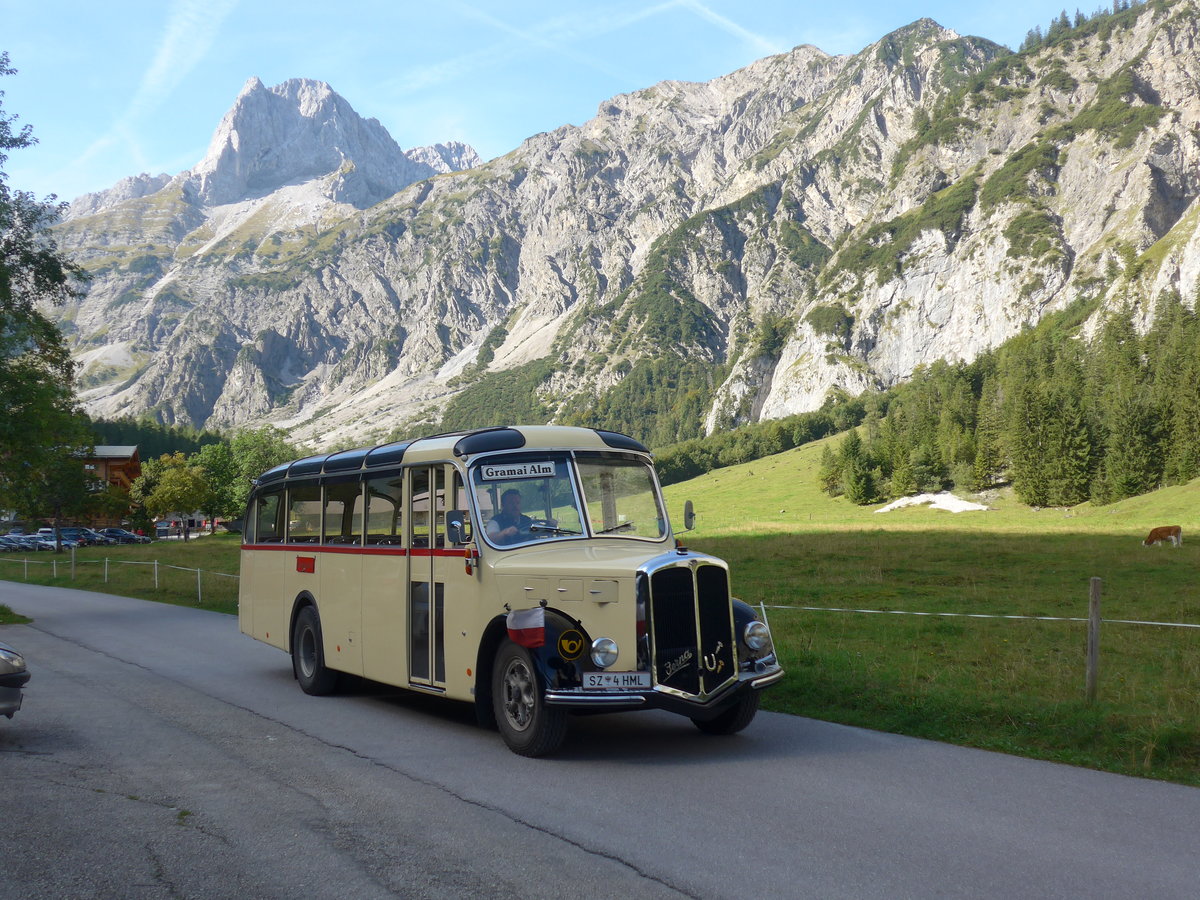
x,y
830,473
1069,457
1182,456
1130,464
989,451
1033,426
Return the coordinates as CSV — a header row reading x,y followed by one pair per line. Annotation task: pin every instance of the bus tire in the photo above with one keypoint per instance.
x,y
308,655
733,719
529,727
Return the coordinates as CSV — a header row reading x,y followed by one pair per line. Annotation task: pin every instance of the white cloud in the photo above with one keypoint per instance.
x,y
759,42
191,29
555,34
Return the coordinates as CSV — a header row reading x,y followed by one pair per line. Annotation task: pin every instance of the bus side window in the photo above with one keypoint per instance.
x,y
304,513
344,512
460,514
268,523
384,521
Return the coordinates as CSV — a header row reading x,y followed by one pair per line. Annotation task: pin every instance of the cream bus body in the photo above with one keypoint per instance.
x,y
387,563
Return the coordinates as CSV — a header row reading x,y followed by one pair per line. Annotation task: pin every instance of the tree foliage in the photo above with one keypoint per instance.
x,y
1063,421
42,434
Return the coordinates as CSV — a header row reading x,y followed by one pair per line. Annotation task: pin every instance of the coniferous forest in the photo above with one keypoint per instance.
x,y
1063,416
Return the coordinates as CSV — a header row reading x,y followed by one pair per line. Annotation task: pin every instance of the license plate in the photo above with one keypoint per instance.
x,y
616,681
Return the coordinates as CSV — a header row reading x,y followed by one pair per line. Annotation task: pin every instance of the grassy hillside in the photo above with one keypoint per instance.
x,y
1015,685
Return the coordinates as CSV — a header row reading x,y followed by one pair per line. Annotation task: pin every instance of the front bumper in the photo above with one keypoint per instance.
x,y
10,700
581,700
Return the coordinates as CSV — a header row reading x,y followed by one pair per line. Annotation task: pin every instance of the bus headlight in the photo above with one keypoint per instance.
x,y
604,652
757,636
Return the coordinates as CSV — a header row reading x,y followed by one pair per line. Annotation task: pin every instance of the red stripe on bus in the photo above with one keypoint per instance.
x,y
362,551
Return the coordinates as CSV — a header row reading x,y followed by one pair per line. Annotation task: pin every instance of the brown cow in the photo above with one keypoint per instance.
x,y
1172,533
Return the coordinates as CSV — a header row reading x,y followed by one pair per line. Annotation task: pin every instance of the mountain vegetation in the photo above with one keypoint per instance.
x,y
1063,418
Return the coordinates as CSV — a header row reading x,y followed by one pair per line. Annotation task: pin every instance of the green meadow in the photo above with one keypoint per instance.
x,y
130,571
1013,685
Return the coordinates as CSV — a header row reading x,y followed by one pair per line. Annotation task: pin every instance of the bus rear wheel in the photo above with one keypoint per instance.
x,y
308,655
733,719
528,726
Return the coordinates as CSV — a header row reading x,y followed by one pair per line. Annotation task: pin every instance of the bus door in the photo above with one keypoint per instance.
x,y
426,590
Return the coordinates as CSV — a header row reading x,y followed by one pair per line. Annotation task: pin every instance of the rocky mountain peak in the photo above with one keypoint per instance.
x,y
733,250
298,131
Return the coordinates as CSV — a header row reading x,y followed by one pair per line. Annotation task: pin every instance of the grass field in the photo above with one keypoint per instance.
x,y
212,554
1014,685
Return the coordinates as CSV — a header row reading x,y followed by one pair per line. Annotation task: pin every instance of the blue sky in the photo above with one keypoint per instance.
x,y
114,89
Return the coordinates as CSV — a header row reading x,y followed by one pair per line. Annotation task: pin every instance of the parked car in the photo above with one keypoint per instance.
x,y
9,544
35,542
71,537
96,537
44,540
81,536
13,675
121,536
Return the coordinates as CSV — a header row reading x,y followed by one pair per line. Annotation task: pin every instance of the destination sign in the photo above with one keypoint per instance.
x,y
509,471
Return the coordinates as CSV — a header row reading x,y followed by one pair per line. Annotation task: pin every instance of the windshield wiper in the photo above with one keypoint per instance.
x,y
616,528
553,529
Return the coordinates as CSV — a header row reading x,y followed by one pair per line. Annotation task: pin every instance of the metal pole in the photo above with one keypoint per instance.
x,y
27,568
106,570
54,568
156,574
72,563
199,598
1093,639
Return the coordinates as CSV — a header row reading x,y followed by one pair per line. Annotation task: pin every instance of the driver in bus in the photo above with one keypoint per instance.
x,y
507,525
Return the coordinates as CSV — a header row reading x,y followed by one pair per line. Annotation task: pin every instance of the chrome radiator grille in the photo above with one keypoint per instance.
x,y
691,628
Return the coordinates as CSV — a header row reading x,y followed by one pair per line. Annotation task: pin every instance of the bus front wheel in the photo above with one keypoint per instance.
x,y
733,719
308,655
529,727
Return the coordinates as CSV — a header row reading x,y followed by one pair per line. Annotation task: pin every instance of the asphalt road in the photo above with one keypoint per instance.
x,y
161,754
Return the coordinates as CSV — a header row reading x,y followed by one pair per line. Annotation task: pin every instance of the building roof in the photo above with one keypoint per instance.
x,y
110,451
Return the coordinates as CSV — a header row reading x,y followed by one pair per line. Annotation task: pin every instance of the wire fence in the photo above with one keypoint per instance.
x,y
906,612
159,568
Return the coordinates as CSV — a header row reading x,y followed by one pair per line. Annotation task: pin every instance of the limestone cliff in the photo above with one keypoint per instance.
x,y
695,256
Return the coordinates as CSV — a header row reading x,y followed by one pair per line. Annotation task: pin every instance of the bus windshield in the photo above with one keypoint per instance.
x,y
527,498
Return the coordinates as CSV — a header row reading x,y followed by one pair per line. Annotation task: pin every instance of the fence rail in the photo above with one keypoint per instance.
x,y
54,564
905,612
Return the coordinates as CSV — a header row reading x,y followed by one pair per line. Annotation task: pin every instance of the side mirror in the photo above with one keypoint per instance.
x,y
456,527
689,516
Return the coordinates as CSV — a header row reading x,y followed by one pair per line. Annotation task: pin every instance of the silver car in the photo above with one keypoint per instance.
x,y
13,676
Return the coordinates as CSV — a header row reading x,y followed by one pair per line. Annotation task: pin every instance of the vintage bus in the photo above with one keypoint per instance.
x,y
531,571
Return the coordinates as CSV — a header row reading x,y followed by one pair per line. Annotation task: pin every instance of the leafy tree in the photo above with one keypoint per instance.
x,y
174,485
255,451
55,487
222,476
38,415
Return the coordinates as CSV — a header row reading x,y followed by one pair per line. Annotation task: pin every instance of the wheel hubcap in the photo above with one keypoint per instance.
x,y
519,695
308,653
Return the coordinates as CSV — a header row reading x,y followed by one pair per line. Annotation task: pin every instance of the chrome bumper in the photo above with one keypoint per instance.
x,y
655,697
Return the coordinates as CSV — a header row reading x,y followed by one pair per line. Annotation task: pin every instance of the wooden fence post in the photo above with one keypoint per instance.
x,y
1093,639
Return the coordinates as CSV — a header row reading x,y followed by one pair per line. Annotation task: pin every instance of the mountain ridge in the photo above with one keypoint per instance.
x,y
696,256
